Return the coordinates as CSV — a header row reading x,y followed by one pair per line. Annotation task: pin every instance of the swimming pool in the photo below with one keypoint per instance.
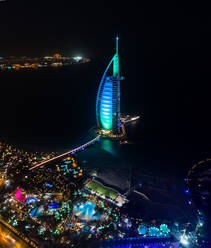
x,y
86,211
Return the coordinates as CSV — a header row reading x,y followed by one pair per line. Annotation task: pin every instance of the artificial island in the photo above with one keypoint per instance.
x,y
27,63
50,200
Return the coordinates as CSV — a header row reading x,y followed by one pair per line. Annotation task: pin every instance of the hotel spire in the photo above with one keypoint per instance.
x,y
116,73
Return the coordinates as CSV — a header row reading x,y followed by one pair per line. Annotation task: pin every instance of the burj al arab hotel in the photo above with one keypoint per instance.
x,y
108,99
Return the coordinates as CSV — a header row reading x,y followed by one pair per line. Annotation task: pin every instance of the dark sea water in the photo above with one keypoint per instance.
x,y
54,109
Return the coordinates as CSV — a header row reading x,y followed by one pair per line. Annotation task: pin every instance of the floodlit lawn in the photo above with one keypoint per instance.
x,y
102,190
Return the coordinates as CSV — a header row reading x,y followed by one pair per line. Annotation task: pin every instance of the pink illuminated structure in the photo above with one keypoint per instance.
x,y
20,196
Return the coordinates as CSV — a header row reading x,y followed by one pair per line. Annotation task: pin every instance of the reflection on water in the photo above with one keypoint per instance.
x,y
9,240
108,145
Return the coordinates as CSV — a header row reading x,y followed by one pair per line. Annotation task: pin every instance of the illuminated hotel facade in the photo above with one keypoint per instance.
x,y
108,98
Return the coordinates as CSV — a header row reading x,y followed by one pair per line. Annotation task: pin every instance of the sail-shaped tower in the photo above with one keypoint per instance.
x,y
108,98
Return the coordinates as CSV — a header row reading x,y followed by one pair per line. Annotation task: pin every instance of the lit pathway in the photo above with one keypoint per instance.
x,y
11,237
66,153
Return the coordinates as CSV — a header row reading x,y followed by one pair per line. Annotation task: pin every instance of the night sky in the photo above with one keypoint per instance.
x,y
38,27
165,46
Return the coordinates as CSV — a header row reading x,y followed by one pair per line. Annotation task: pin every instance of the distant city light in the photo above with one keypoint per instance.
x,y
48,57
22,63
77,58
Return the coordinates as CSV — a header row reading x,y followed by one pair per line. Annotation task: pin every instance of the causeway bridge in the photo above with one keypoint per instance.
x,y
77,149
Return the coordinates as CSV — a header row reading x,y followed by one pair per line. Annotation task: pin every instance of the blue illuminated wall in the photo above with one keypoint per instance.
x,y
106,106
